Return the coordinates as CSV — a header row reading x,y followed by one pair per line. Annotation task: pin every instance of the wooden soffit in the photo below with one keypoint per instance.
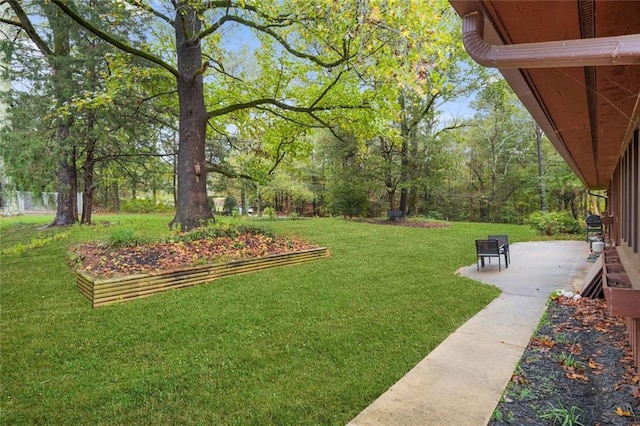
x,y
588,112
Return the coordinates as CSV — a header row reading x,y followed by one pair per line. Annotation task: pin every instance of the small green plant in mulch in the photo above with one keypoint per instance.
x,y
563,338
563,416
125,237
559,365
499,416
569,361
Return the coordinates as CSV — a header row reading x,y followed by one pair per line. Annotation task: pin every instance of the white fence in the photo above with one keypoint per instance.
x,y
22,202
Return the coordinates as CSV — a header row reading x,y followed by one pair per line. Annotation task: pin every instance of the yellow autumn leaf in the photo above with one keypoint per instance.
x,y
623,413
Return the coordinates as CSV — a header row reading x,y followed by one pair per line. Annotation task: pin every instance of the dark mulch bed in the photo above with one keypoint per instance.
x,y
103,261
578,366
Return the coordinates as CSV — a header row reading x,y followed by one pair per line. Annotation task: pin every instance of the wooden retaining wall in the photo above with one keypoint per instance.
x,y
623,302
111,290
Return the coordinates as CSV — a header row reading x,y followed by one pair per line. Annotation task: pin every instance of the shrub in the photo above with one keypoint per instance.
x,y
218,230
269,212
230,205
124,238
348,199
144,205
553,223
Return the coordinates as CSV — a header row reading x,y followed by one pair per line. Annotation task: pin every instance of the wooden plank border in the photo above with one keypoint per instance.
x,y
119,289
622,302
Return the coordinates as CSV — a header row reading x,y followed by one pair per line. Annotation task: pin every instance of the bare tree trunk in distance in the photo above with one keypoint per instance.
x,y
116,197
404,157
543,193
66,185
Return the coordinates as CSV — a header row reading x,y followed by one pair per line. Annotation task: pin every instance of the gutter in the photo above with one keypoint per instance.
x,y
617,50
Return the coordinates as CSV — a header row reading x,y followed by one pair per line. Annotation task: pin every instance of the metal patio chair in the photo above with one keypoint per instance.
x,y
503,240
489,249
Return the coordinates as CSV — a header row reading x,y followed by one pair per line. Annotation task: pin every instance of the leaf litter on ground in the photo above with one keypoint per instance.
x,y
103,261
577,369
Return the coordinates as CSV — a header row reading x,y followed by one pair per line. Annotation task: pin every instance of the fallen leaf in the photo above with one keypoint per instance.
x,y
623,413
577,376
544,343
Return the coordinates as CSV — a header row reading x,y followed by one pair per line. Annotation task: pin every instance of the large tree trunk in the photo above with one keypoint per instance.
x,y
192,209
87,194
66,173
66,185
87,168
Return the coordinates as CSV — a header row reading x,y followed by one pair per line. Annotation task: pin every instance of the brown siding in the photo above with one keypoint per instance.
x,y
624,200
624,205
635,191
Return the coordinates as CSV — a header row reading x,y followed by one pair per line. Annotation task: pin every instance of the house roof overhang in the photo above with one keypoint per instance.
x,y
588,108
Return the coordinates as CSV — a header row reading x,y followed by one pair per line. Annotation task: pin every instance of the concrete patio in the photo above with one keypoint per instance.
x,y
461,381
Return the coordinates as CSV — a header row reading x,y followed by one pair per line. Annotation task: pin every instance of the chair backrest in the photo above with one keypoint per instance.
x,y
487,247
502,239
593,222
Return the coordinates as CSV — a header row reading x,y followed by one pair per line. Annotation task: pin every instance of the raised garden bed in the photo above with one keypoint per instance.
x,y
622,299
104,291
614,268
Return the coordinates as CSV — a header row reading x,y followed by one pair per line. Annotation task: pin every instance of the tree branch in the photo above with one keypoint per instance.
x,y
270,101
143,6
265,29
219,67
112,40
25,23
279,155
213,28
214,168
291,120
326,90
10,22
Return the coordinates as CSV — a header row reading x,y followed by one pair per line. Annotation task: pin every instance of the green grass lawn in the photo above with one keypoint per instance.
x,y
307,344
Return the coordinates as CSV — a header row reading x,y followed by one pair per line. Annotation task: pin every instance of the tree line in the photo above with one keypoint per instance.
x,y
310,107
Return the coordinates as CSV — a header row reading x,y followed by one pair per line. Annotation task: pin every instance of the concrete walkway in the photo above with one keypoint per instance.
x,y
461,381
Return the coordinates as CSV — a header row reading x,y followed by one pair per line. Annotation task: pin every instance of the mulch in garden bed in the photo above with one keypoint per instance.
x,y
99,260
577,369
